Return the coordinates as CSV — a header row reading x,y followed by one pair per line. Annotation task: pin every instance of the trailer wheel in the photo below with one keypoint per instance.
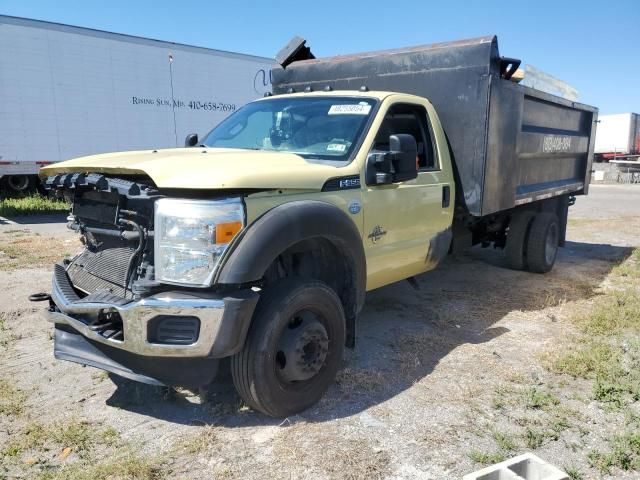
x,y
515,249
542,242
293,349
18,184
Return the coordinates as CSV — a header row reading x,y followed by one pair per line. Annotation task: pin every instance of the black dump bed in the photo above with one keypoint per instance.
x,y
511,144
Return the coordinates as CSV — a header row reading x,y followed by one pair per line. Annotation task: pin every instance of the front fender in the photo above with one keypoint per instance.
x,y
288,224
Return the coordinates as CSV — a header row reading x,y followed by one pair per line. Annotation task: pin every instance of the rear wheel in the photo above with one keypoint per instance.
x,y
515,249
542,242
293,349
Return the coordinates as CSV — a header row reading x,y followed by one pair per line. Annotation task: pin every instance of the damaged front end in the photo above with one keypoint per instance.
x,y
109,310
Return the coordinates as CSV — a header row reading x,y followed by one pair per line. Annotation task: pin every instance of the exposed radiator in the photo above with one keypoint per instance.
x,y
102,270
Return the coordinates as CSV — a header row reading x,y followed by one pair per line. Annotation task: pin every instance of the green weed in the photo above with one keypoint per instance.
x,y
31,205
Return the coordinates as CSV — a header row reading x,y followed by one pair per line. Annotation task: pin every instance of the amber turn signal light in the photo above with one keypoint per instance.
x,y
226,231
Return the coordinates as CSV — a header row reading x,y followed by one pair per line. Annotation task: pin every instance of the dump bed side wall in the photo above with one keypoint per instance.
x,y
539,146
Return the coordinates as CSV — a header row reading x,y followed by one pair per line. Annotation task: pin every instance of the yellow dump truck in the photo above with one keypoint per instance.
x,y
258,240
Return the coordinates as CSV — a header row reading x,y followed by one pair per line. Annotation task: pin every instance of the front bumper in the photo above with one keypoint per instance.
x,y
223,324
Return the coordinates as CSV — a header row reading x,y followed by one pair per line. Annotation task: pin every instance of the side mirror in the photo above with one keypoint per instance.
x,y
398,165
191,140
405,151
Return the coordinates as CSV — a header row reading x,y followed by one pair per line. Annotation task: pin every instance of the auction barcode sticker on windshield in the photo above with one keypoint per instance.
x,y
336,147
359,109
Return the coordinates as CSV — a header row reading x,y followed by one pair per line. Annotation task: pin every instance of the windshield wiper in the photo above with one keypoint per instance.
x,y
236,148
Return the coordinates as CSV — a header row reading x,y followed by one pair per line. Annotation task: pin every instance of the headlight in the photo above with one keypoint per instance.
x,y
191,236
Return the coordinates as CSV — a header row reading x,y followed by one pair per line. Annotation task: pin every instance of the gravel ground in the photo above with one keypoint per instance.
x,y
428,393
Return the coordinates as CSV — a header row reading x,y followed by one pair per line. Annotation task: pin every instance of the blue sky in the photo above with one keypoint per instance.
x,y
593,46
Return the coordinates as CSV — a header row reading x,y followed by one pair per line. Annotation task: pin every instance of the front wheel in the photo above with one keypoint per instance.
x,y
293,349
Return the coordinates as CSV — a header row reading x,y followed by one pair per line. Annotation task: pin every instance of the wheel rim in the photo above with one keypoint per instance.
x,y
551,245
18,182
303,348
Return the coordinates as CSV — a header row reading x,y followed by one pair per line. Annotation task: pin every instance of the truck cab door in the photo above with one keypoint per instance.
x,y
407,224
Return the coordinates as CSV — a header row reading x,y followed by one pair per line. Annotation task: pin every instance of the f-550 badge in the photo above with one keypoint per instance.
x,y
377,233
352,182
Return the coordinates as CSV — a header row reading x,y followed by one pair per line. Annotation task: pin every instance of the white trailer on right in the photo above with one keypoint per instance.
x,y
618,138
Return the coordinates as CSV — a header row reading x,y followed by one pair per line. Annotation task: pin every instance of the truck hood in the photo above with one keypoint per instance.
x,y
209,168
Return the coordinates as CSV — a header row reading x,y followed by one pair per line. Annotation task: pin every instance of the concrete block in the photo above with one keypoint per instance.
x,y
523,467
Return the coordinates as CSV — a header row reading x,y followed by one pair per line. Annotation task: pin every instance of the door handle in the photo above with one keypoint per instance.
x,y
446,196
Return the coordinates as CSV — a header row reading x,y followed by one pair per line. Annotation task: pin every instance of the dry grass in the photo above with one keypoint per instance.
x,y
19,251
536,398
608,350
6,336
80,436
415,352
321,451
624,450
354,380
630,268
585,359
486,458
604,351
122,466
607,354
535,415
614,313
11,399
573,473
626,225
75,450
506,442
201,441
527,397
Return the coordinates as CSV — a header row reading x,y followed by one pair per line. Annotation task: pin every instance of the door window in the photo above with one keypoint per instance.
x,y
411,119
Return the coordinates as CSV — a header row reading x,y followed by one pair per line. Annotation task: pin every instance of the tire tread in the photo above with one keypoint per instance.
x,y
536,243
515,249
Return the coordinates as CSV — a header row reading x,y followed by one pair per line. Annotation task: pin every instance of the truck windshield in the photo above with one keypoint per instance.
x,y
312,127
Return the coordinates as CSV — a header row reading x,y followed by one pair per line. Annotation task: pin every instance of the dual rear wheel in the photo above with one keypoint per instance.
x,y
532,241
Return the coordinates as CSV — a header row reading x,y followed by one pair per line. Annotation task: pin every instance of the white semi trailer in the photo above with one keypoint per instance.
x,y
618,138
67,91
